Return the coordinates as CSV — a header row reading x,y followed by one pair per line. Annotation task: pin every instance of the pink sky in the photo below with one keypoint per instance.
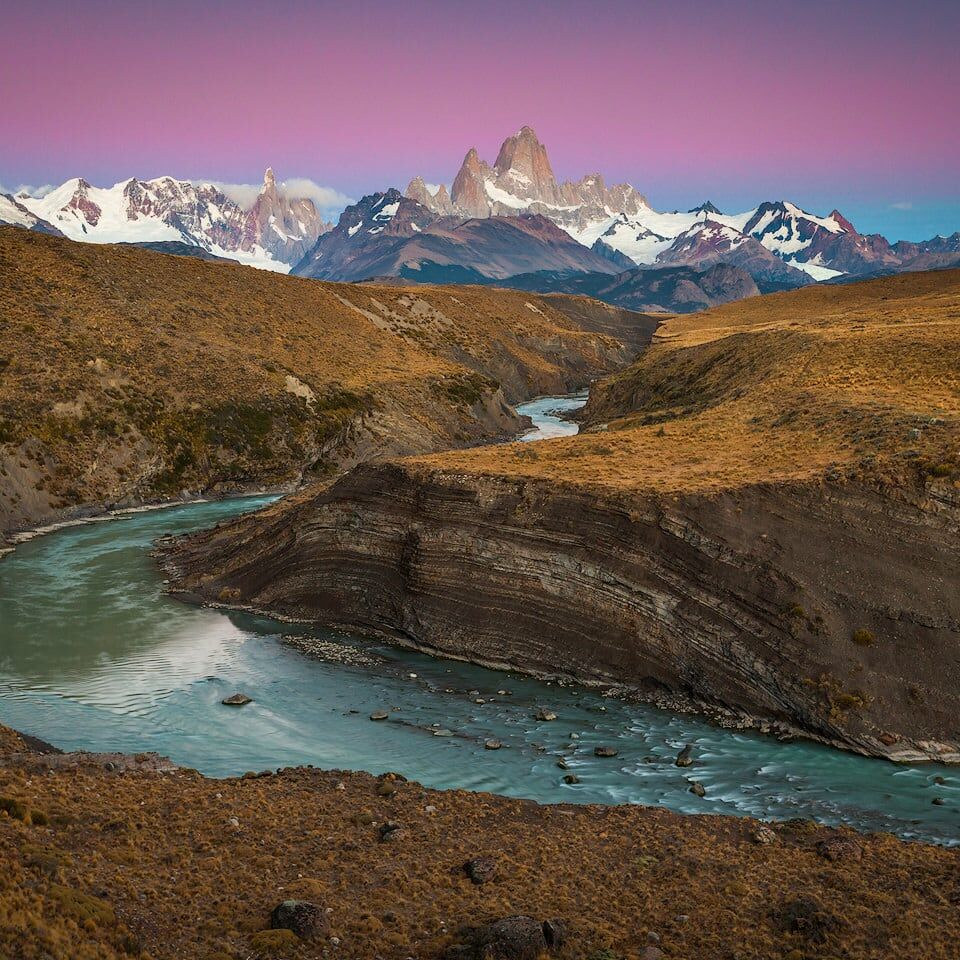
x,y
847,103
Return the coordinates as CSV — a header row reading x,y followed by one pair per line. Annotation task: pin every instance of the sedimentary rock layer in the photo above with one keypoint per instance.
x,y
744,603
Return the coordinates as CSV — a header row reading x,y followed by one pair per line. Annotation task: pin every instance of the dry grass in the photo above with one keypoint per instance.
x,y
145,864
858,379
129,372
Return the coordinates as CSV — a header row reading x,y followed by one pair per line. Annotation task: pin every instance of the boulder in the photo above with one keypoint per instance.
x,y
840,849
236,700
763,835
305,919
512,938
806,917
481,869
392,831
605,751
683,757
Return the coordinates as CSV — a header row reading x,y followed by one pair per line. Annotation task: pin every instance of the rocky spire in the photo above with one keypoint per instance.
x,y
469,193
524,169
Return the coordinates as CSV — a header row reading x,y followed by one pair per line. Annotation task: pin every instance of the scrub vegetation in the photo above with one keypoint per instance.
x,y
142,863
848,382
128,375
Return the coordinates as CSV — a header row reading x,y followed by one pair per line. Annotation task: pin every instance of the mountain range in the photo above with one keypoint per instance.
x,y
511,223
273,233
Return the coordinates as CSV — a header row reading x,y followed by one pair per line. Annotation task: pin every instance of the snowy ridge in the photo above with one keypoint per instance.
x,y
273,234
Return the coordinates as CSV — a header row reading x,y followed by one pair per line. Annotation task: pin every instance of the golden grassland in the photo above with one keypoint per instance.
x,y
127,371
855,379
144,864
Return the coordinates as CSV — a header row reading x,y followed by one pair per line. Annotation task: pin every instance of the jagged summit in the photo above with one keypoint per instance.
x,y
707,208
521,180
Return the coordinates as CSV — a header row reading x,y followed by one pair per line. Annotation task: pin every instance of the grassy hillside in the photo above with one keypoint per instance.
x,y
858,380
129,375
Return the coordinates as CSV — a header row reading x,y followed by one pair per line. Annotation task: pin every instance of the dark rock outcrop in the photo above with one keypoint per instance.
x,y
305,919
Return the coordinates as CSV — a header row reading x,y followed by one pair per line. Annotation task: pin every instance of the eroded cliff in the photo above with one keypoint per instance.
x,y
760,522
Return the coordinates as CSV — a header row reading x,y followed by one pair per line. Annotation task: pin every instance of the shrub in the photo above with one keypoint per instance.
x,y
16,809
862,637
82,908
274,943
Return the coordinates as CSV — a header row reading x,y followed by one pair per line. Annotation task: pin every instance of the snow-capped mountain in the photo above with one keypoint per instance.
x,y
622,220
13,212
521,180
273,234
708,242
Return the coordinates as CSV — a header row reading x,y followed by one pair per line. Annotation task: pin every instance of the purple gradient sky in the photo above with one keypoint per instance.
x,y
847,103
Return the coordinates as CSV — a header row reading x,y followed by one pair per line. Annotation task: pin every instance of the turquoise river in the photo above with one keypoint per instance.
x,y
95,655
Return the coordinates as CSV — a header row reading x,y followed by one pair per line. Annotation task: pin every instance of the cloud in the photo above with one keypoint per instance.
x,y
327,200
26,188
902,205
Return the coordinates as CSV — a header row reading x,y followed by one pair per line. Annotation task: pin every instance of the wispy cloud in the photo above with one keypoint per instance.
x,y
327,200
27,188
902,205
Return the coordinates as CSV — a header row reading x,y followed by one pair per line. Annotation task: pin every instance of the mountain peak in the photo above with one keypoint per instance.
x,y
707,207
268,178
843,222
524,168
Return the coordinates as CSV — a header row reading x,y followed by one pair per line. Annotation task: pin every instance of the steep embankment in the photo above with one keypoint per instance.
x,y
126,375
761,520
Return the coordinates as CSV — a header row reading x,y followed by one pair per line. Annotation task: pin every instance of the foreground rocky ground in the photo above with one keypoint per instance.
x,y
106,856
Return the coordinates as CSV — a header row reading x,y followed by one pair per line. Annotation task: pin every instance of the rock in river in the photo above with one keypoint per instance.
x,y
237,700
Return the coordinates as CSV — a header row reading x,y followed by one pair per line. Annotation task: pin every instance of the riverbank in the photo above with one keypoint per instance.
x,y
126,856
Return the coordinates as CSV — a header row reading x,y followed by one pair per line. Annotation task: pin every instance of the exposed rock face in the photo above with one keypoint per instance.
x,y
468,193
522,181
522,165
690,595
438,202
